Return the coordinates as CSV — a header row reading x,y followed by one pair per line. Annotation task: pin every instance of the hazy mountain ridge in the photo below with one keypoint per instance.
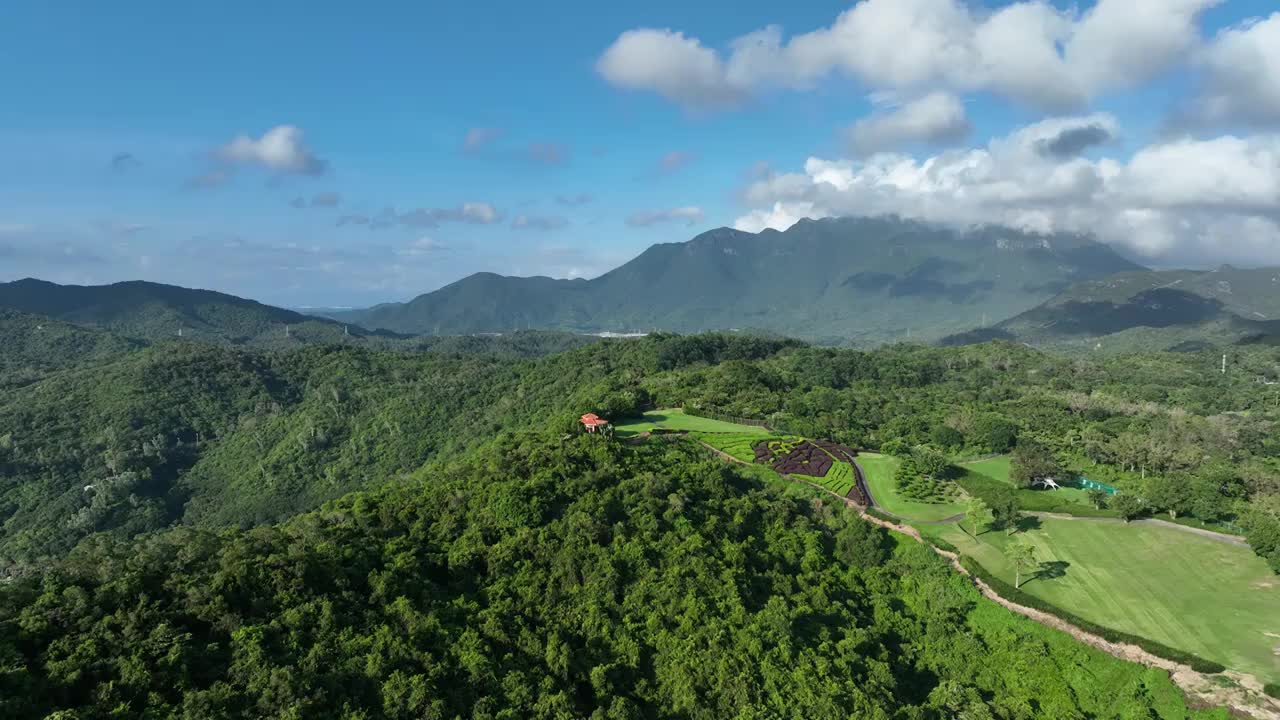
x,y
862,280
151,311
1153,310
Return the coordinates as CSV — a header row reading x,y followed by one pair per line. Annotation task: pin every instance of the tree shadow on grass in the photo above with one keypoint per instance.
x,y
1028,522
1051,570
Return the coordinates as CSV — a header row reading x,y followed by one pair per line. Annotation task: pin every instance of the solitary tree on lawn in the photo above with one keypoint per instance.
x,y
1022,556
978,515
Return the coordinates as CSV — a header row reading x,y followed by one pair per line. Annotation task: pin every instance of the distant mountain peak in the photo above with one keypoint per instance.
x,y
840,279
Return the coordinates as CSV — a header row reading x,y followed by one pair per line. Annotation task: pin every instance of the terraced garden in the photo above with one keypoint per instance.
x,y
818,461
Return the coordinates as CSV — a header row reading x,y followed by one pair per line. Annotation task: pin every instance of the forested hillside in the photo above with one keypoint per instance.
x,y
215,436
152,311
204,434
546,579
1151,310
35,346
840,280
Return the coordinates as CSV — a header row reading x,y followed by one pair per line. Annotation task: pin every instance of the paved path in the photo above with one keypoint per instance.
x,y
1209,534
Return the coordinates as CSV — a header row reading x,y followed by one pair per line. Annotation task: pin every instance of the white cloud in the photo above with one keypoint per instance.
x,y
1242,67
475,213
670,64
688,215
1027,51
280,149
1193,201
936,117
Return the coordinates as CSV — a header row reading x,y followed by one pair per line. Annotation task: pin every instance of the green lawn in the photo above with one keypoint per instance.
x,y
879,470
1216,600
1062,500
677,420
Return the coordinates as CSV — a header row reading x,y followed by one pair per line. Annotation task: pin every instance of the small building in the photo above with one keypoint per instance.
x,y
593,422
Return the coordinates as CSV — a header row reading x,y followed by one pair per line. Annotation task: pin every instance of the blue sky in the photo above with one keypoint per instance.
x,y
119,155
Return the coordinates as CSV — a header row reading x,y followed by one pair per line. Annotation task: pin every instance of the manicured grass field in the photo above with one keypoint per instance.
x,y
1061,500
879,470
677,420
1213,599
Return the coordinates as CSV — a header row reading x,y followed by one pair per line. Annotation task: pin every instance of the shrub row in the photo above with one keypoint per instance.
x,y
941,544
1013,594
881,516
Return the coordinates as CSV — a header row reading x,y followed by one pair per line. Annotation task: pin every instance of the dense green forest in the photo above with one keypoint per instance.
x,y
545,577
205,435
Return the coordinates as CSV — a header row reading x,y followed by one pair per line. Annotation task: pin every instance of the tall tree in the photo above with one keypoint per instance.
x,y
1031,462
1005,511
978,514
1021,554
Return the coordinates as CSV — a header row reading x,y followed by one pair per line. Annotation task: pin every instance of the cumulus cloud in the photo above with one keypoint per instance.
x,y
936,117
478,137
1075,139
280,150
1028,51
1199,201
1242,74
687,215
676,67
539,222
475,213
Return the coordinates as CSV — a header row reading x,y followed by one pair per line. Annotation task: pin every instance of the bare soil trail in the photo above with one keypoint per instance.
x,y
1240,693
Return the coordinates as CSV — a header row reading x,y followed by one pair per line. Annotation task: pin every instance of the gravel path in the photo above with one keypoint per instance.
x,y
1243,697
1210,534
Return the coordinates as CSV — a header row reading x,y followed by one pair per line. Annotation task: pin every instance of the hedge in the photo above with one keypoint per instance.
x,y
882,516
941,544
1013,594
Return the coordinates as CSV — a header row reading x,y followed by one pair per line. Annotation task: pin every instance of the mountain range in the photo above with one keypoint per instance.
x,y
848,281
1149,310
840,280
153,311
